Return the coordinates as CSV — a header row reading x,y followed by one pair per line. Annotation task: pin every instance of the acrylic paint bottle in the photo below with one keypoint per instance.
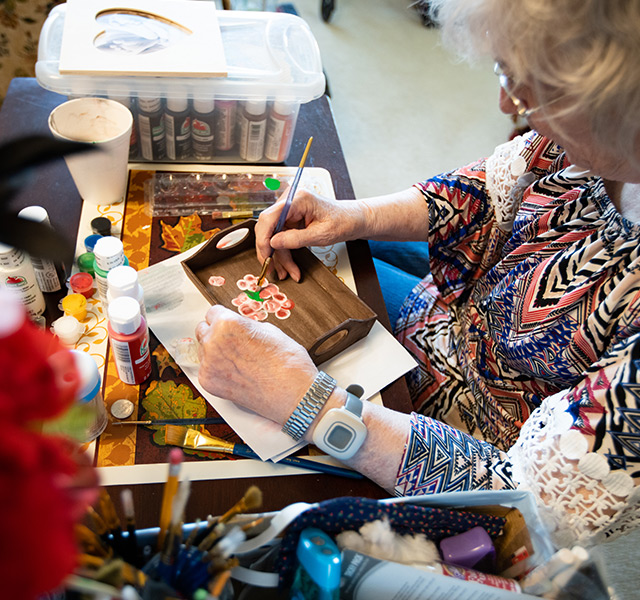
x,y
17,273
51,277
151,128
177,124
252,129
280,126
224,123
123,281
108,254
202,128
87,417
129,337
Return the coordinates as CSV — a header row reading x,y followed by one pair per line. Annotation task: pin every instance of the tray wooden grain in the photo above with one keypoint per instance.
x,y
327,317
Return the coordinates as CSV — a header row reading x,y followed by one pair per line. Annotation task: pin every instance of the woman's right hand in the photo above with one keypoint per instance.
x,y
313,220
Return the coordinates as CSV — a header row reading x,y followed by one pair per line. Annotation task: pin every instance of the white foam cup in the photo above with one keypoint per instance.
x,y
100,175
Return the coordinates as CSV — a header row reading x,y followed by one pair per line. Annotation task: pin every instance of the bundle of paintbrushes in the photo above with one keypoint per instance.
x,y
173,561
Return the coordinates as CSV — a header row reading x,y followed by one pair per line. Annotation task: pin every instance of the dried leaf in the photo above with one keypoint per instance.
x,y
186,234
164,360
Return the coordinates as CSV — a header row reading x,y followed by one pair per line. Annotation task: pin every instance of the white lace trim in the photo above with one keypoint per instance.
x,y
580,499
503,170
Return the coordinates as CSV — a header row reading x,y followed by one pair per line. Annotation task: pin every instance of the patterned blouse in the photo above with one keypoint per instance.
x,y
528,337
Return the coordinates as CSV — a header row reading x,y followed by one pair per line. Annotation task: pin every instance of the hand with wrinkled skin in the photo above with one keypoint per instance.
x,y
253,364
260,368
314,220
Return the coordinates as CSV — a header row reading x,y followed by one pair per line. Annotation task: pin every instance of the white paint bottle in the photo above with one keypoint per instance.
x,y
16,273
108,254
123,281
50,277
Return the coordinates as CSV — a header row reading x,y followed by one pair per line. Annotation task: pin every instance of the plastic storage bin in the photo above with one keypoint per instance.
x,y
273,66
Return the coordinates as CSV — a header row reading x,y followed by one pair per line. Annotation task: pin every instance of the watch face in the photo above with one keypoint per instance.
x,y
340,436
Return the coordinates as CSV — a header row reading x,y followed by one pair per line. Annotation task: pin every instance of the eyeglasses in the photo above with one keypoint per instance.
x,y
507,84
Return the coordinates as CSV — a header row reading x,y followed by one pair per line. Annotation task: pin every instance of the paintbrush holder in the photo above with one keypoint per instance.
x,y
321,313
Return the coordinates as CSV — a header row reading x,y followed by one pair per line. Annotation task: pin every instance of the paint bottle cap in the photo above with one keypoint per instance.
x,y
255,107
86,262
203,105
35,213
123,281
89,375
12,313
75,305
90,241
109,253
124,315
68,329
284,108
179,104
149,104
101,226
82,283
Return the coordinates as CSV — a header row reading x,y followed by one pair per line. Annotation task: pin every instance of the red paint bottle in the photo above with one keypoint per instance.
x,y
129,337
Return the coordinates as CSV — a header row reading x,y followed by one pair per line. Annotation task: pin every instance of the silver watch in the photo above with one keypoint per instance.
x,y
310,405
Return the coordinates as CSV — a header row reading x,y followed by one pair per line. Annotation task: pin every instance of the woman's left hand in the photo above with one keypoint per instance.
x,y
253,364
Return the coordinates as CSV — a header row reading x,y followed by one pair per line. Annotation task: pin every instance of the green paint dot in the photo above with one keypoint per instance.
x,y
254,295
272,184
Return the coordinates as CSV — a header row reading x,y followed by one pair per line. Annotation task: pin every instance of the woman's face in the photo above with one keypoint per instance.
x,y
572,132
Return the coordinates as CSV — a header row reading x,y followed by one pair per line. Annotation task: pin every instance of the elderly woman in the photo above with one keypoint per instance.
x,y
527,329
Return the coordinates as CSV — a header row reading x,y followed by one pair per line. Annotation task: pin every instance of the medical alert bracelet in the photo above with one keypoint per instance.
x,y
309,407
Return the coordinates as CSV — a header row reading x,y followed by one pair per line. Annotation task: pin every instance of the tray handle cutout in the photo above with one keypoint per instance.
x,y
224,244
338,339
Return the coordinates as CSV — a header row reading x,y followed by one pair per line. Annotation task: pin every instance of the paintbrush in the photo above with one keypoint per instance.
x,y
170,489
285,209
251,500
187,437
195,421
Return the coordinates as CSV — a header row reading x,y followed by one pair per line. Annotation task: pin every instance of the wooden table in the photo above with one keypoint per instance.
x,y
25,111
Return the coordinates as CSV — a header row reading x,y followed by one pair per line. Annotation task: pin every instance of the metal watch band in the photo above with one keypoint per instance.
x,y
309,407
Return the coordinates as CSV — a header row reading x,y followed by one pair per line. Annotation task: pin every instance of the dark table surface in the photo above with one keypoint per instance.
x,y
25,111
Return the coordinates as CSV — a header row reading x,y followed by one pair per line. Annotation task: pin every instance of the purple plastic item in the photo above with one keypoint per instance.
x,y
473,549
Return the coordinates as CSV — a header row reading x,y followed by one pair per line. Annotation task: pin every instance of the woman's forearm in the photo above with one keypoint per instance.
x,y
402,216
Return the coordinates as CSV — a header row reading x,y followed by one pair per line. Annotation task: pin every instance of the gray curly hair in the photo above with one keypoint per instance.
x,y
584,51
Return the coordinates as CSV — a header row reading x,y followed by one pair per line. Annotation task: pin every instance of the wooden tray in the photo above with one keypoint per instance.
x,y
327,317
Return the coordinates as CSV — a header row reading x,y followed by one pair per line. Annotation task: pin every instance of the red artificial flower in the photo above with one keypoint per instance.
x,y
45,483
31,389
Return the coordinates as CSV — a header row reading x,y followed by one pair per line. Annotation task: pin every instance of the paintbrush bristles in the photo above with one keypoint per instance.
x,y
252,499
187,437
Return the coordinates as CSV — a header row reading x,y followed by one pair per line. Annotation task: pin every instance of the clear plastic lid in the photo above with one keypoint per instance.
x,y
268,54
